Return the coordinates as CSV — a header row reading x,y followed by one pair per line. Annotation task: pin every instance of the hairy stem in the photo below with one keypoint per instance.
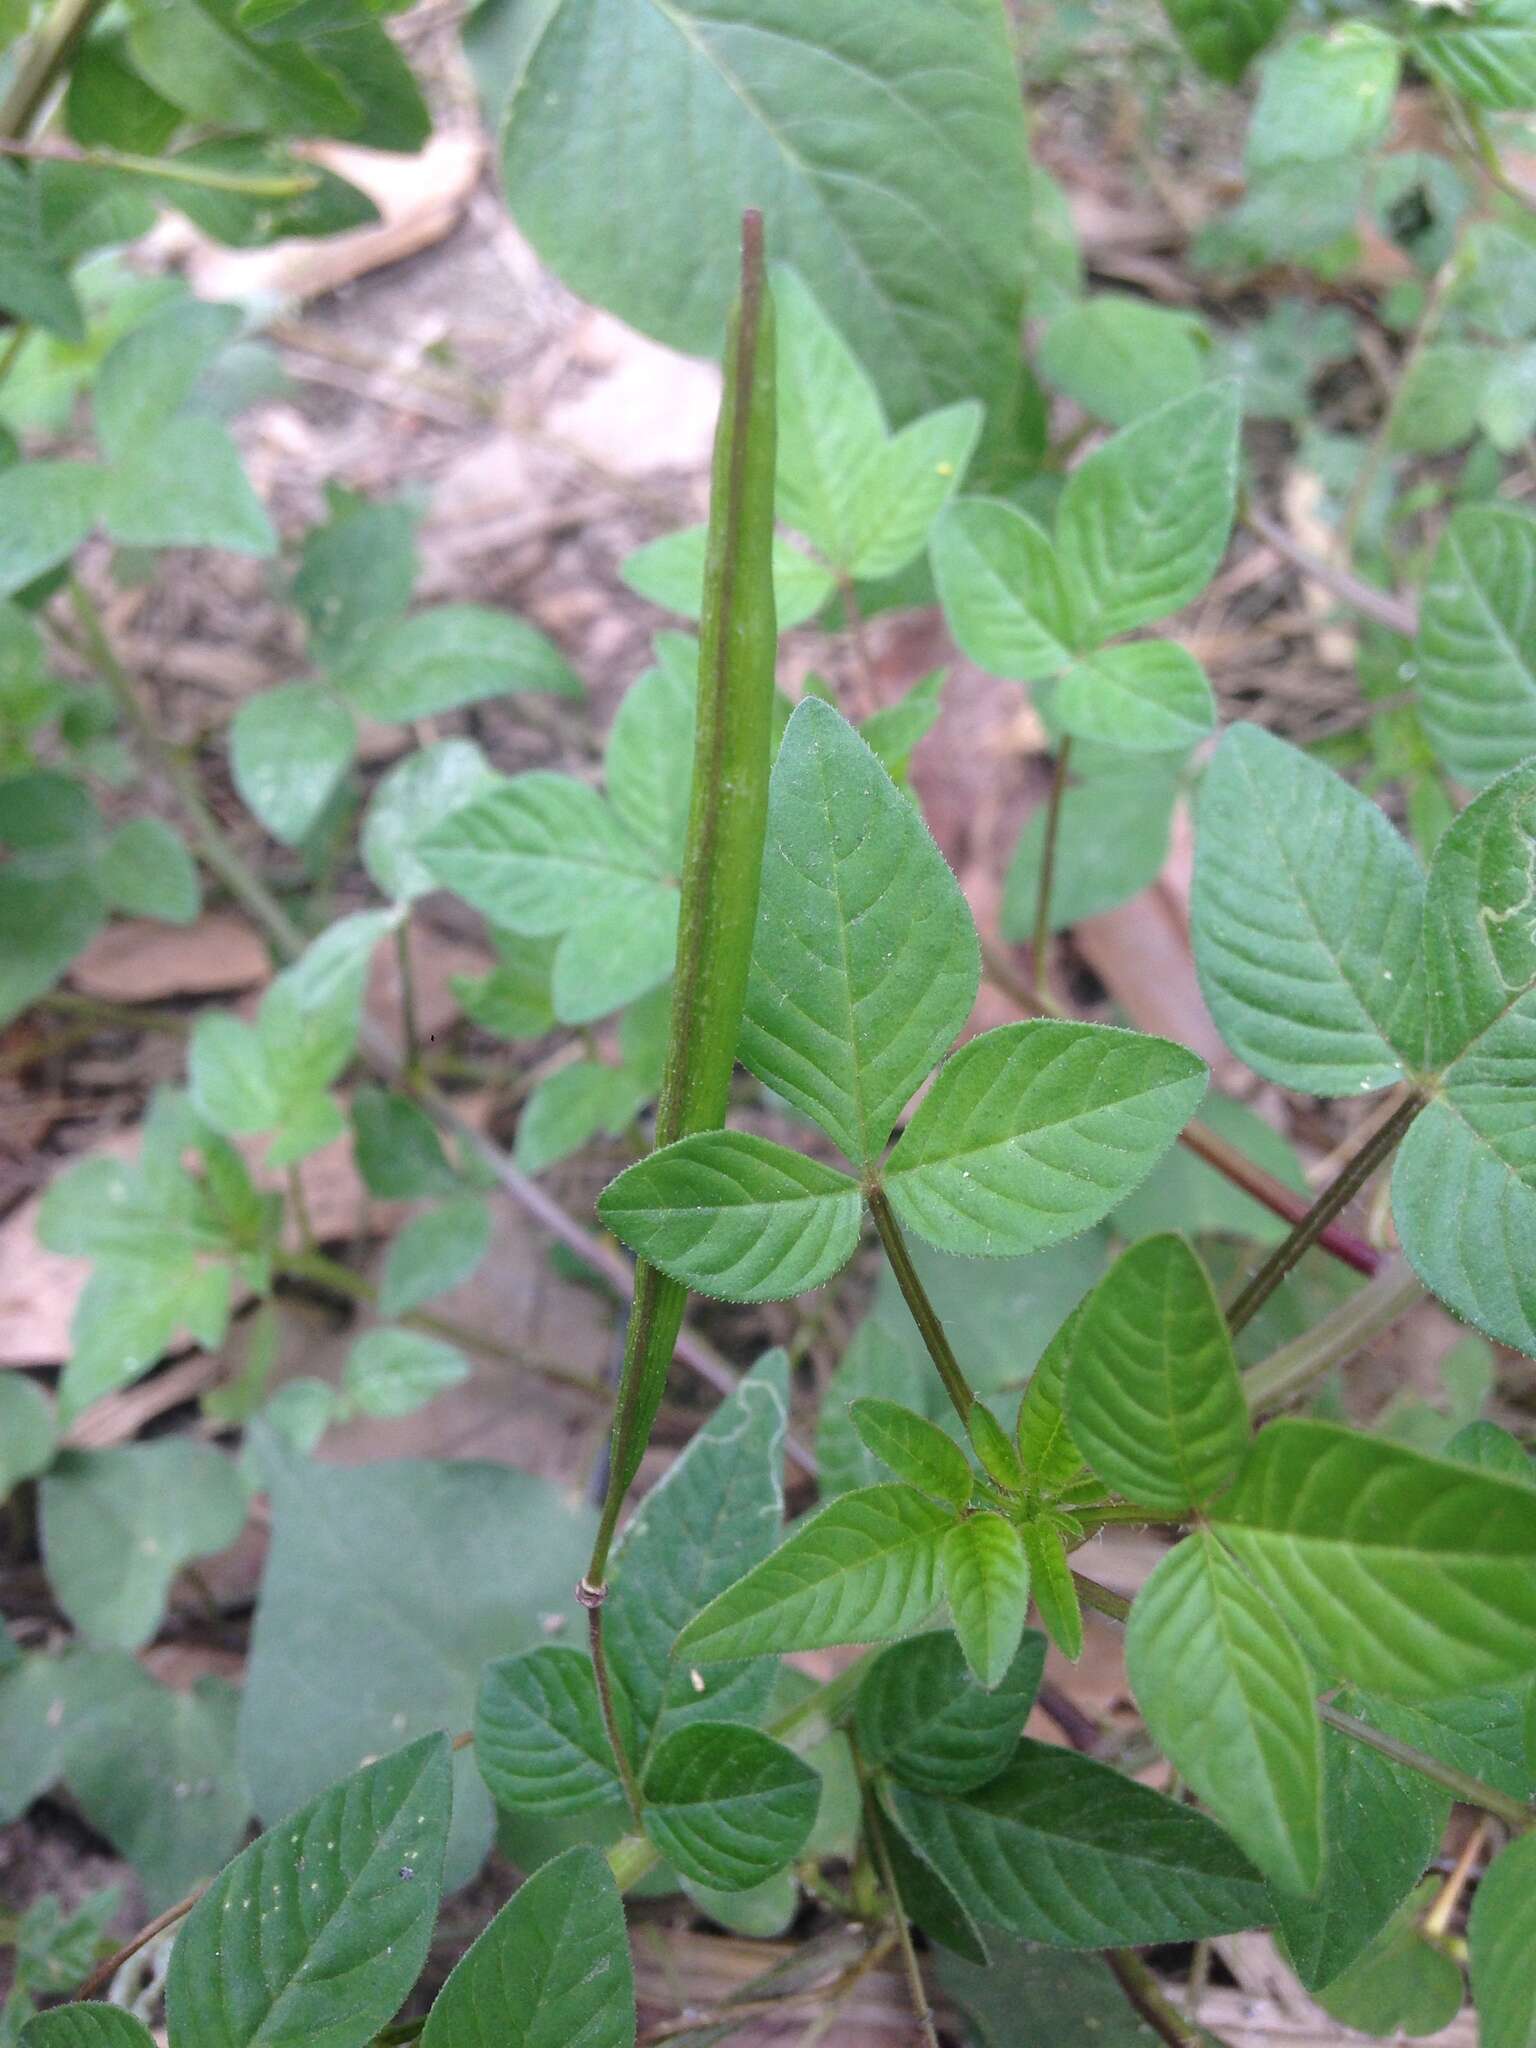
x,y
103,1974
1381,441
592,1599
1377,1148
1384,1300
1460,1784
1042,940
1399,615
915,1295
165,170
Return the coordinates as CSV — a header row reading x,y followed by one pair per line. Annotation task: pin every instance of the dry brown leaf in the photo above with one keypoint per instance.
x,y
139,961
648,410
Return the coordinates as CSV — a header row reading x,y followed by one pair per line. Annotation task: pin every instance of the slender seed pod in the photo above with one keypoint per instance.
x,y
727,819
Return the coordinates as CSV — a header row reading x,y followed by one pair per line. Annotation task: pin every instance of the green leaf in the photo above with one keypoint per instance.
x,y
1382,1825
1072,2000
863,1570
1307,921
887,216
898,494
413,799
1050,1578
619,954
1068,1852
312,1933
147,378
994,1450
356,571
391,1373
922,1715
1223,36
118,1525
514,999
540,853
1492,1449
195,54
1113,840
1475,669
1120,357
398,1151
1032,1132
1052,1461
147,871
1001,588
434,1252
156,1773
46,510
184,486
652,731
1324,96
569,1109
1407,1574
1154,1402
865,962
552,1968
1186,1192
44,1702
443,659
914,1448
1148,695
86,2026
726,1805
34,283
715,1514
362,1636
733,1215
1144,521
540,1743
1464,1183
986,1582
1401,1983
288,751
893,732
1228,1699
1501,1938
1489,59
670,572
1442,397
28,1434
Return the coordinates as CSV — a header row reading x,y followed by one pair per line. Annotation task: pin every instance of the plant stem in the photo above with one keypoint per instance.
x,y
1209,1145
216,850
1460,1784
1399,615
924,1314
1381,440
407,994
1377,1148
1146,1997
314,1266
1201,1139
51,49
1042,940
103,1974
592,1599
1102,1599
1384,1300
921,2010
165,170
